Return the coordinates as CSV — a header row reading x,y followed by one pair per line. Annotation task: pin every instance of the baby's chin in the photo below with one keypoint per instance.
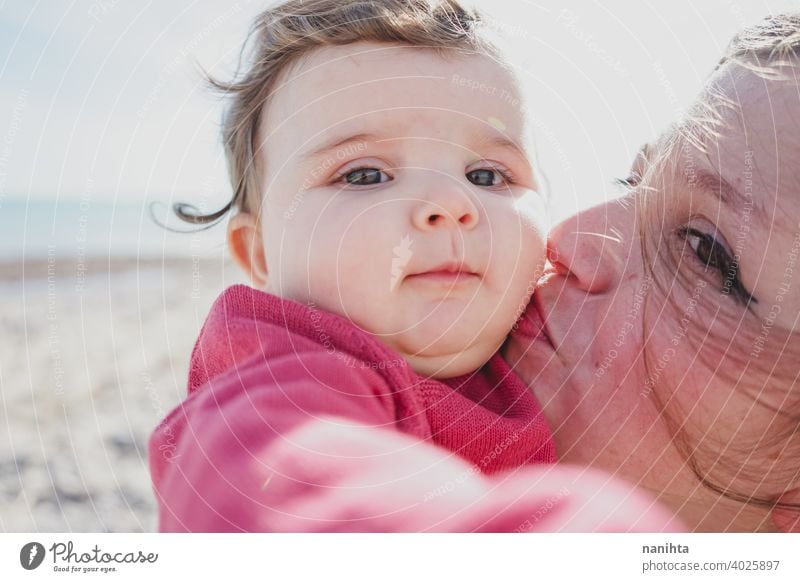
x,y
449,365
443,352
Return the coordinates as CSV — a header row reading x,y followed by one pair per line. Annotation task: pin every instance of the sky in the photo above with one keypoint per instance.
x,y
104,99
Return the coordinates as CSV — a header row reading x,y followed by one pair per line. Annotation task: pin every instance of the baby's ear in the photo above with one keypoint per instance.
x,y
784,518
247,247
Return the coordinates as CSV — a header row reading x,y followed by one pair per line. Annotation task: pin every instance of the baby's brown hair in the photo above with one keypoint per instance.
x,y
284,33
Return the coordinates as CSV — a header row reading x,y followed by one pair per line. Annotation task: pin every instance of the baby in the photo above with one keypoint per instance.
x,y
389,183
389,220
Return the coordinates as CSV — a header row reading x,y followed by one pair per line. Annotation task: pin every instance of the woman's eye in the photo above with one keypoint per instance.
x,y
714,256
630,182
489,177
365,177
706,248
640,163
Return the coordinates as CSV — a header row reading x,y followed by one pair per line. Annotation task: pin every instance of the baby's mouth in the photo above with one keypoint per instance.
x,y
439,277
449,273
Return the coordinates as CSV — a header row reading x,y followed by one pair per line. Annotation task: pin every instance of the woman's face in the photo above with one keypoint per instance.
x,y
667,356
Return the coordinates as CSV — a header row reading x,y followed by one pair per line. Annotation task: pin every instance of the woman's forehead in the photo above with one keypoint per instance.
x,y
759,119
743,136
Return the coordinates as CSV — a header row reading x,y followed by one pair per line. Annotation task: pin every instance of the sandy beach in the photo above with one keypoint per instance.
x,y
93,354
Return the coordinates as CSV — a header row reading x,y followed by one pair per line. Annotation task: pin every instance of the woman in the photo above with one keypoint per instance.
x,y
669,347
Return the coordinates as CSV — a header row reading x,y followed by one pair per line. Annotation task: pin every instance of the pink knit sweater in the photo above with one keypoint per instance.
x,y
296,420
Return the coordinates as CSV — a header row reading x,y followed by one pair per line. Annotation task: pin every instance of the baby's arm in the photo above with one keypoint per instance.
x,y
271,450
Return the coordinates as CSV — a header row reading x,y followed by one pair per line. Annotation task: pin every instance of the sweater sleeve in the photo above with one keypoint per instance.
x,y
315,449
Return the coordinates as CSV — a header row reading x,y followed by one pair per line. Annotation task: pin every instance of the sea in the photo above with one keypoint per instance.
x,y
36,228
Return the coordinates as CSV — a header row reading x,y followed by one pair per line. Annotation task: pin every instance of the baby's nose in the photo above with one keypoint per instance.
x,y
445,206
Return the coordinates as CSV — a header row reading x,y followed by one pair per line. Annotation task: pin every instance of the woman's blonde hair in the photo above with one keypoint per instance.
x,y
284,33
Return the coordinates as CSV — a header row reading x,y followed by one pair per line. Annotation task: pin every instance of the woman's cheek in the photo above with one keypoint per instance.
x,y
619,343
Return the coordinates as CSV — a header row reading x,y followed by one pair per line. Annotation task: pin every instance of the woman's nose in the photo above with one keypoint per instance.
x,y
594,247
445,205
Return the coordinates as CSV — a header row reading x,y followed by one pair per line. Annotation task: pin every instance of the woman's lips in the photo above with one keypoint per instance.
x,y
532,324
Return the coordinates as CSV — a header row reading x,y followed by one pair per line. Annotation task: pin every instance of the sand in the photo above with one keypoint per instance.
x,y
93,354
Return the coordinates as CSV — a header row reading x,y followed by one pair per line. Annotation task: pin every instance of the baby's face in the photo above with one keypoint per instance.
x,y
385,174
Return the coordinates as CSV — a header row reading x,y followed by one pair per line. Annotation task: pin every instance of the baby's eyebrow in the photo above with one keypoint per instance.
x,y
337,142
509,144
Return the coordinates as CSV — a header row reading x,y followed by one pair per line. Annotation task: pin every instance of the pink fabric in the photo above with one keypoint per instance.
x,y
296,420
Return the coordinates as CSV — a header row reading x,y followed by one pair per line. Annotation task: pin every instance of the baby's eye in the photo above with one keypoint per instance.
x,y
490,177
365,176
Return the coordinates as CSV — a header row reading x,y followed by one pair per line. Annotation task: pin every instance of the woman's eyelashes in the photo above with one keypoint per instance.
x,y
630,182
370,176
713,255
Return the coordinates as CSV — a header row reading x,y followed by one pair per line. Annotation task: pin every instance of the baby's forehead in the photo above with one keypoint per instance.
x,y
387,83
329,70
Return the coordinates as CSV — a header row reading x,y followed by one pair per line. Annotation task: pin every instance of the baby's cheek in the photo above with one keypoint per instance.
x,y
518,258
529,256
532,222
